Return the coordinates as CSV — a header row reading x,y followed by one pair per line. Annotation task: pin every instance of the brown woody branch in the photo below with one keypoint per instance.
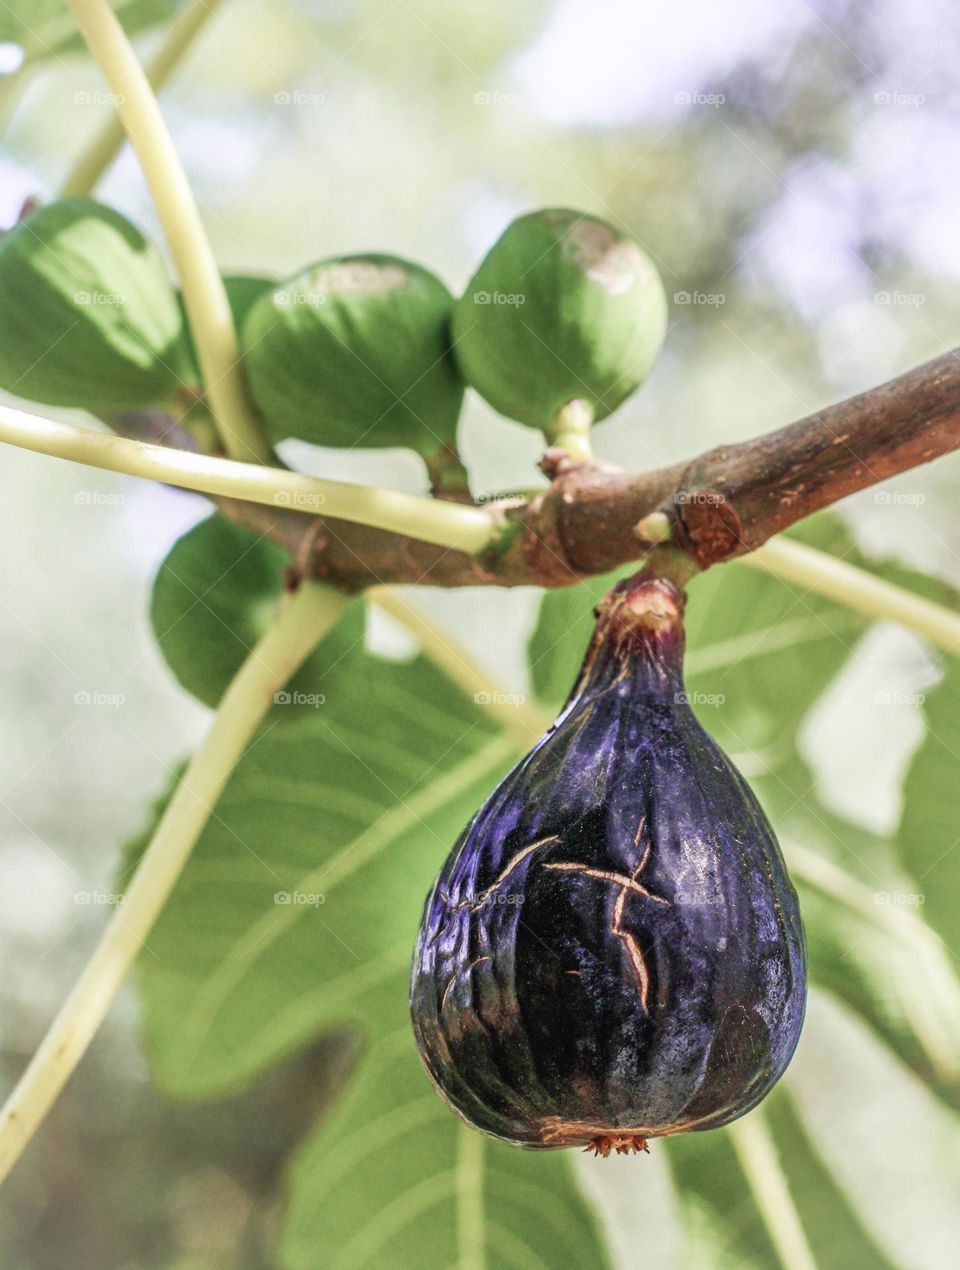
x,y
718,506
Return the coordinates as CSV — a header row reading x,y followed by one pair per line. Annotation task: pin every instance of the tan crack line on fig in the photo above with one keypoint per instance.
x,y
627,885
514,863
453,980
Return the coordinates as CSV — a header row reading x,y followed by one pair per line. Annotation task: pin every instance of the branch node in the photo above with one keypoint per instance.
x,y
710,524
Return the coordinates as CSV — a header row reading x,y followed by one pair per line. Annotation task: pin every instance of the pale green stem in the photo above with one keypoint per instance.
x,y
570,430
211,321
515,715
757,1153
447,524
847,584
471,1245
301,623
101,151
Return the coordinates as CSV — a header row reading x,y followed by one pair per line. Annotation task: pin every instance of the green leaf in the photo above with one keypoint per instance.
x,y
304,891
723,1222
45,27
760,650
863,947
213,598
928,836
395,1180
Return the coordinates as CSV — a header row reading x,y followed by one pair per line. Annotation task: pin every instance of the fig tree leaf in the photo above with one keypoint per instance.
x,y
929,833
304,891
864,948
394,1180
722,1220
213,598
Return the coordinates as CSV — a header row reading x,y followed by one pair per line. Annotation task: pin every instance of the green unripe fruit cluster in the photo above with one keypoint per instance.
x,y
563,308
561,321
88,316
355,352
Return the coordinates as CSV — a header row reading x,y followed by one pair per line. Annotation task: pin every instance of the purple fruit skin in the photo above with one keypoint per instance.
x,y
556,1005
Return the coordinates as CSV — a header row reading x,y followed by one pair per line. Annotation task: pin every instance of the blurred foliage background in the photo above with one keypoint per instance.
x,y
791,169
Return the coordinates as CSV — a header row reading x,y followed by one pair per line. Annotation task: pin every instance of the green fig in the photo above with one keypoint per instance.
x,y
355,352
561,322
88,316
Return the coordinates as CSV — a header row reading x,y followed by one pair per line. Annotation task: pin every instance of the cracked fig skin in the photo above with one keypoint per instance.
x,y
613,950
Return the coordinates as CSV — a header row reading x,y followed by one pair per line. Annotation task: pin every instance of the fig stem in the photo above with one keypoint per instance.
x,y
449,477
523,722
757,1155
99,154
446,524
301,623
570,430
846,584
208,311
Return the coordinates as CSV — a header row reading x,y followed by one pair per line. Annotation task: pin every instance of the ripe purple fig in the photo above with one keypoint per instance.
x,y
613,950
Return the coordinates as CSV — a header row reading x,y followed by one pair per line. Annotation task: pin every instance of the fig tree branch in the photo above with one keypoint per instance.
x,y
720,505
591,518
